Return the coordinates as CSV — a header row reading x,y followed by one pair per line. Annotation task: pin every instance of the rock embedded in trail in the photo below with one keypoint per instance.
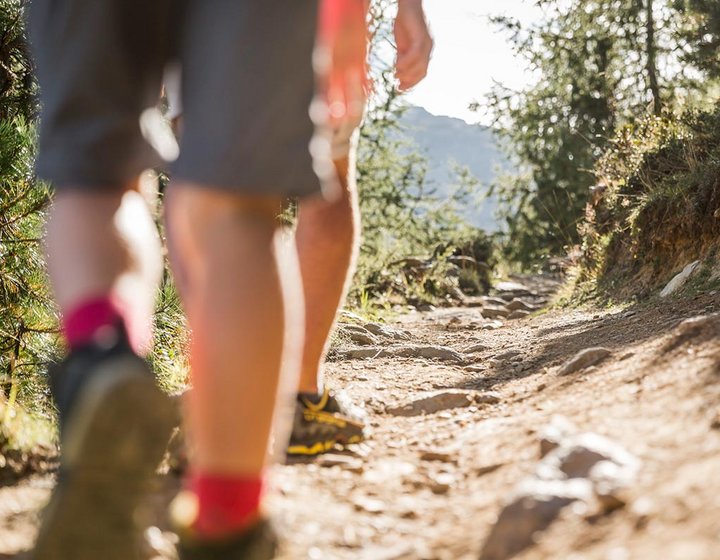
x,y
554,434
520,305
441,353
609,467
351,464
584,359
476,348
518,315
443,400
443,456
695,326
507,355
498,302
586,469
369,505
363,353
387,332
533,508
578,455
504,287
357,334
441,483
487,469
494,311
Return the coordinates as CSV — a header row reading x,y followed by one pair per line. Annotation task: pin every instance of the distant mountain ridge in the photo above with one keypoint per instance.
x,y
444,140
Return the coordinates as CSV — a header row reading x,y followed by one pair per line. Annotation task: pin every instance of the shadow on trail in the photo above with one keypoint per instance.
x,y
632,326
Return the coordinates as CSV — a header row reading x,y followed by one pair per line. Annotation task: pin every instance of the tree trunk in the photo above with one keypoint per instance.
x,y
651,66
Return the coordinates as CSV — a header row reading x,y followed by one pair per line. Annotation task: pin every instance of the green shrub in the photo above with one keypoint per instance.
x,y
657,202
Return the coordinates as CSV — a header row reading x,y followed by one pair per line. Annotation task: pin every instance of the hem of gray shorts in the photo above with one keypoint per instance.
x,y
249,188
283,180
87,177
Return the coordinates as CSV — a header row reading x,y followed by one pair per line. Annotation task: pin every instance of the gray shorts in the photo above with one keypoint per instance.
x,y
247,87
344,137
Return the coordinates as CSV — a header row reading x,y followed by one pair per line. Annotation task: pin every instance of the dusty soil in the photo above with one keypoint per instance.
x,y
431,486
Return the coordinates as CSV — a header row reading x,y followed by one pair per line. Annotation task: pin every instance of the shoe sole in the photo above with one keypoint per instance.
x,y
114,441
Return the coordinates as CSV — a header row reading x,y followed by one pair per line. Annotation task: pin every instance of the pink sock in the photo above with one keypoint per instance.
x,y
85,323
227,505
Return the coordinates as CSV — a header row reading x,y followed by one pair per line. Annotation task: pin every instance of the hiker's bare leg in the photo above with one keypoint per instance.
x,y
327,239
102,242
244,307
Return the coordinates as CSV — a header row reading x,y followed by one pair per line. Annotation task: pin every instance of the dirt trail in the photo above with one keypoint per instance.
x,y
431,486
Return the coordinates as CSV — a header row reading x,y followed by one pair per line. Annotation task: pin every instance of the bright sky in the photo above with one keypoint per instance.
x,y
469,54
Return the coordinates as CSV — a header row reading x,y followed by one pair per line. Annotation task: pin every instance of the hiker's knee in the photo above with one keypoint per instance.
x,y
199,217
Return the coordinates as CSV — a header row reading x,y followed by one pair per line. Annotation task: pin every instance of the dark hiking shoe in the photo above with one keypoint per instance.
x,y
114,425
322,421
259,542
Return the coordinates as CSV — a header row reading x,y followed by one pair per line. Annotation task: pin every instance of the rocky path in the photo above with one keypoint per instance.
x,y
552,435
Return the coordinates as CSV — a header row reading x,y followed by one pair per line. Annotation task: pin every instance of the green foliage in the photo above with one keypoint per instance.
x,y
701,31
17,85
598,64
410,236
169,358
659,201
27,316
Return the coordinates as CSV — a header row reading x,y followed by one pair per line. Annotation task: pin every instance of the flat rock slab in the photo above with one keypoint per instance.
x,y
351,464
358,335
520,305
387,332
494,311
680,279
507,355
443,400
486,300
587,468
519,314
441,353
578,455
440,455
476,348
511,287
695,326
586,358
532,509
558,431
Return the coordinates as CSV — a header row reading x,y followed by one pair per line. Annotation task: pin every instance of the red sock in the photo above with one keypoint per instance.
x,y
86,321
226,505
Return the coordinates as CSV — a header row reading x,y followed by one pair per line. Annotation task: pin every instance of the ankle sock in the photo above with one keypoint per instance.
x,y
94,318
88,320
226,504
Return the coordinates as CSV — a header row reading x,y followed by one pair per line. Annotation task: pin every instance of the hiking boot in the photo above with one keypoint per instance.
x,y
322,421
259,542
114,425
